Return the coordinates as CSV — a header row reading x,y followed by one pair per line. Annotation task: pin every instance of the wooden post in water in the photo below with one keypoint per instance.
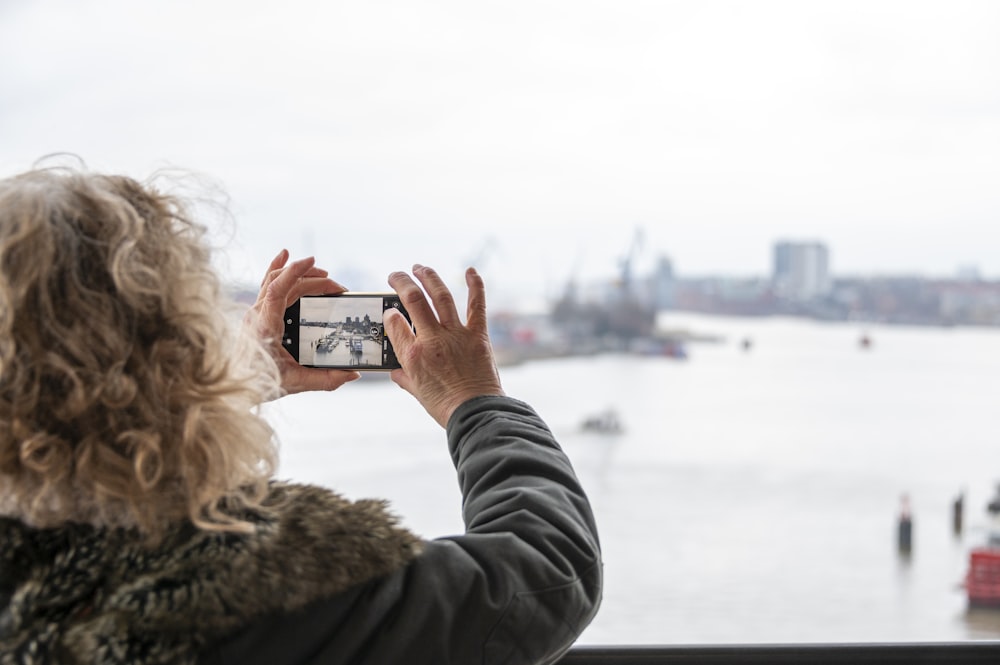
x,y
957,510
905,537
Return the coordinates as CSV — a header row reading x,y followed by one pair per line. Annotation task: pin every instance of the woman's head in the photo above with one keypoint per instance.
x,y
125,391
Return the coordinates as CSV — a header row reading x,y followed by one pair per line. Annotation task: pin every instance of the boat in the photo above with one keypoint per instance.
x,y
666,347
606,422
982,582
327,344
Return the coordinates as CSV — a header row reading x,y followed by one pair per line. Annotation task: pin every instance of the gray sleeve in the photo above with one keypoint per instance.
x,y
519,488
525,579
519,586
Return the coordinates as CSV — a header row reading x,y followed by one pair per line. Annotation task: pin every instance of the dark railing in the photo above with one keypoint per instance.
x,y
959,653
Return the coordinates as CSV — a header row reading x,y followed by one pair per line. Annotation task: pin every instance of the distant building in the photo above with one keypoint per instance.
x,y
664,284
801,270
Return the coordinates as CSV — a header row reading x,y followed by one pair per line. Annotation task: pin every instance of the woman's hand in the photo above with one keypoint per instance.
x,y
445,363
283,285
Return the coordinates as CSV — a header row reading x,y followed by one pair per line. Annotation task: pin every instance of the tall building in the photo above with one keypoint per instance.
x,y
664,284
801,270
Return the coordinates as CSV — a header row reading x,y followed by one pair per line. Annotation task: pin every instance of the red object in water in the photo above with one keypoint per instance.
x,y
982,583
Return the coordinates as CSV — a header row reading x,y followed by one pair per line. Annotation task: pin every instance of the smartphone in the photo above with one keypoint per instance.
x,y
342,331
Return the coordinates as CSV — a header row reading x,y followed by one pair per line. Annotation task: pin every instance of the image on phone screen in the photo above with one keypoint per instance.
x,y
342,331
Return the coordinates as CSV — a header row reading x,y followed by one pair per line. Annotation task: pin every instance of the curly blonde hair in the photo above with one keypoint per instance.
x,y
128,391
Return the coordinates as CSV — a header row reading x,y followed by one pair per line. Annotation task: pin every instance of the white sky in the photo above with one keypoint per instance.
x,y
379,134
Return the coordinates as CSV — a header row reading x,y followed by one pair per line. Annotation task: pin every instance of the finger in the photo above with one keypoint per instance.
x,y
313,286
443,301
268,278
311,273
292,272
413,300
308,379
476,310
276,293
324,379
276,264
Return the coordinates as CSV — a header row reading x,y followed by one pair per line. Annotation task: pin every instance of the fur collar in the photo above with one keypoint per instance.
x,y
81,594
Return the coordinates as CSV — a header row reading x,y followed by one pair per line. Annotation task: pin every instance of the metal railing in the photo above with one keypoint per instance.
x,y
958,653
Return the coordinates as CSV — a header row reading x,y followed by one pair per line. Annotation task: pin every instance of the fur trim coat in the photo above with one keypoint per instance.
x,y
79,594
325,581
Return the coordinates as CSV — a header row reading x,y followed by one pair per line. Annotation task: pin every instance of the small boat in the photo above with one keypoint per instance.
x,y
982,582
664,347
327,344
606,422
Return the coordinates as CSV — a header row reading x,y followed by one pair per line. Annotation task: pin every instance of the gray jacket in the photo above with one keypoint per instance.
x,y
325,580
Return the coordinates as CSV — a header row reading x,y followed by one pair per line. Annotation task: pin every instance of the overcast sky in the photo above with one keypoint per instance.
x,y
534,138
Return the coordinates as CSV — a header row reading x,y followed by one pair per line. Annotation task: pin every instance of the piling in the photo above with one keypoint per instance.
x,y
905,530
957,514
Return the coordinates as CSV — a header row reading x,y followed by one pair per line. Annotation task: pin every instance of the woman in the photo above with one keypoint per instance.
x,y
139,521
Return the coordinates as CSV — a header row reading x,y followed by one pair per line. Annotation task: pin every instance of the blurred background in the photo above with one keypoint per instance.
x,y
535,135
741,255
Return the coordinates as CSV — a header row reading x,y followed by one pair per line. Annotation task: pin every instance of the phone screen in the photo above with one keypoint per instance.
x,y
342,331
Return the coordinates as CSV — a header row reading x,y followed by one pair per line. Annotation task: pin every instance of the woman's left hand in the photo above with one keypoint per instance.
x,y
284,284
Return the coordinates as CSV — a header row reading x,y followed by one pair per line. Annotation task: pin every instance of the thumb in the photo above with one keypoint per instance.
x,y
398,330
401,379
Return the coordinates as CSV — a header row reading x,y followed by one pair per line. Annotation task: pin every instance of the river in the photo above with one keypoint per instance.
x,y
753,494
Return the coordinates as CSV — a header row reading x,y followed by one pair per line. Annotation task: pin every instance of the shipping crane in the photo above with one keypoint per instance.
x,y
626,263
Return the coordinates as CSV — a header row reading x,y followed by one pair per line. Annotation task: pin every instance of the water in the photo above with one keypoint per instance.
x,y
752,497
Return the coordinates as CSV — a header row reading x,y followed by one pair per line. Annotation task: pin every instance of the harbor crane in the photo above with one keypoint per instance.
x,y
626,263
